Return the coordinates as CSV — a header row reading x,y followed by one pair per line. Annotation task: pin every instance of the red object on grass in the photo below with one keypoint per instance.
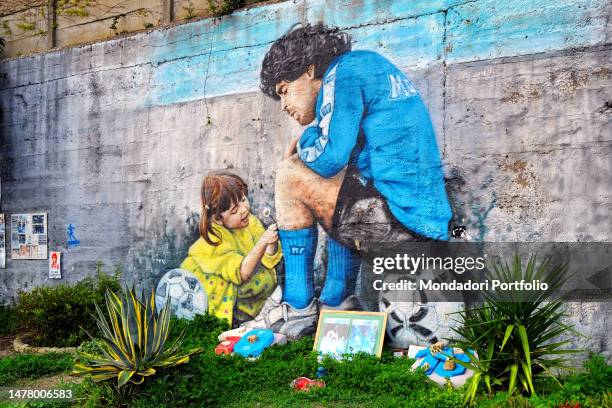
x,y
304,384
569,405
227,345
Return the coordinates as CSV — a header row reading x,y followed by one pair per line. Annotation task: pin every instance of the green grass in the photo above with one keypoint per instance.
x,y
31,366
224,381
233,381
22,370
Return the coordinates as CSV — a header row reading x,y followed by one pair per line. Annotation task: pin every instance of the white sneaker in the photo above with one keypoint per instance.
x,y
262,320
297,323
283,318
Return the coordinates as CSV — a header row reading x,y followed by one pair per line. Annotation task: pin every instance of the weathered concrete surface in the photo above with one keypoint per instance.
x,y
528,142
531,137
113,137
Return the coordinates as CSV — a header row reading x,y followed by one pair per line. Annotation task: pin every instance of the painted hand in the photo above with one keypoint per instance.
x,y
292,148
270,236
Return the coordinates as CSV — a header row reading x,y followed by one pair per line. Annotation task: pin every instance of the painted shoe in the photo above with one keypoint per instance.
x,y
349,303
265,319
299,322
283,318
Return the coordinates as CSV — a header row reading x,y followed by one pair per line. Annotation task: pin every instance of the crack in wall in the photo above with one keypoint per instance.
x,y
444,77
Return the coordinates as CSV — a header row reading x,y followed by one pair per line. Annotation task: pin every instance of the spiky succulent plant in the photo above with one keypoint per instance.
x,y
134,336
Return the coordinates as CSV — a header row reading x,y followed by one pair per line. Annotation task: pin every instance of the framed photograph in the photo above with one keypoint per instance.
x,y
348,332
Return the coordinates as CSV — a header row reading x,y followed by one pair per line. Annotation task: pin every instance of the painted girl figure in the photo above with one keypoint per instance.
x,y
235,257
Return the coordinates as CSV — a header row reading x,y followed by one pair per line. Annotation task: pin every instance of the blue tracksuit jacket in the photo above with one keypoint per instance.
x,y
370,114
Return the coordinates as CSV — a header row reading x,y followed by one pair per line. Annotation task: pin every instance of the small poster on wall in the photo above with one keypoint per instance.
x,y
55,262
2,242
29,236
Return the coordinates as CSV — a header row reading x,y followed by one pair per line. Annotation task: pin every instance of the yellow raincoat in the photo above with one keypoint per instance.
x,y
218,269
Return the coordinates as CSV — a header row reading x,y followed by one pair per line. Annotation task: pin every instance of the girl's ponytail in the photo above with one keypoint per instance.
x,y
206,229
220,191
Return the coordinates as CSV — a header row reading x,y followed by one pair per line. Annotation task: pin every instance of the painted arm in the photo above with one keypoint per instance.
x,y
273,253
266,243
325,147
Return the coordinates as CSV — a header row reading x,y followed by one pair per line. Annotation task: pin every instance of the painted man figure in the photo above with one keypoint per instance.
x,y
366,168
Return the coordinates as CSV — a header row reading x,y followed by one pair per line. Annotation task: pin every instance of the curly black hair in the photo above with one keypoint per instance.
x,y
292,54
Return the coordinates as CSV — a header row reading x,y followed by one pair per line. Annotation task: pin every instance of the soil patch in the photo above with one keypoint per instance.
x,y
6,345
49,381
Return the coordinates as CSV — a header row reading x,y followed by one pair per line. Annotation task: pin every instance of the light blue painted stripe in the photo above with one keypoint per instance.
x,y
263,25
492,28
411,33
411,42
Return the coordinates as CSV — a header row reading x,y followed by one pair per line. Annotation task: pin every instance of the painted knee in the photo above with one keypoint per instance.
x,y
291,212
288,173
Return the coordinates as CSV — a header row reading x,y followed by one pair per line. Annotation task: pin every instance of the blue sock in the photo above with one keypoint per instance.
x,y
299,248
342,268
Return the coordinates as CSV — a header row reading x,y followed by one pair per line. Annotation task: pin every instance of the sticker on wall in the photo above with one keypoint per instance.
x,y
55,262
29,236
72,239
2,242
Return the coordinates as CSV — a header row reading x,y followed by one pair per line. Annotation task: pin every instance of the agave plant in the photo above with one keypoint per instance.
x,y
516,338
134,341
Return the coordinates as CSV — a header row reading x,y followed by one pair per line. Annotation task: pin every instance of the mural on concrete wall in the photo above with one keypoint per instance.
x,y
366,168
29,236
519,120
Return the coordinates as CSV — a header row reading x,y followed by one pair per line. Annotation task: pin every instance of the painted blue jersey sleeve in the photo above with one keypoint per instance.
x,y
340,107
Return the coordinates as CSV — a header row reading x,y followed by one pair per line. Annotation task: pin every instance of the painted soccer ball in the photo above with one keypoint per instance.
x,y
415,321
186,294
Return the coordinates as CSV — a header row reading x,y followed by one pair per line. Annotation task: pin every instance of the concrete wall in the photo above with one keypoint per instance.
x,y
114,138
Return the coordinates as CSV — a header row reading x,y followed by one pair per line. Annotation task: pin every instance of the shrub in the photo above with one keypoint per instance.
x,y
597,379
90,346
516,340
587,389
54,315
136,345
8,320
220,8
